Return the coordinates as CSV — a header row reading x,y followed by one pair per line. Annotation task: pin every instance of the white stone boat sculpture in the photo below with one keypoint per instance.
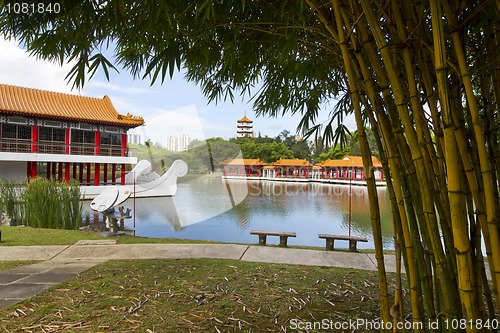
x,y
144,182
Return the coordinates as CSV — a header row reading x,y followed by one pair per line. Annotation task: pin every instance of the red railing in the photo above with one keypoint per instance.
x,y
26,146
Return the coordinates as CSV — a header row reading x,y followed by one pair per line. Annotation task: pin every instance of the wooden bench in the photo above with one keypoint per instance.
x,y
330,239
263,235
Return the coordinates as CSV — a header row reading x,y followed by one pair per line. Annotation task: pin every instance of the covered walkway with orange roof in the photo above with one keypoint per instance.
x,y
348,170
249,167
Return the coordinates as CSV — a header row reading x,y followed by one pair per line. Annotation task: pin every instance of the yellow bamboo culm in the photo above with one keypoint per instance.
x,y
367,162
489,191
401,59
465,267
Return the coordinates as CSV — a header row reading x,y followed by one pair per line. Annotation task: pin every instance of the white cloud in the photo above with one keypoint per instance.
x,y
102,85
19,69
161,123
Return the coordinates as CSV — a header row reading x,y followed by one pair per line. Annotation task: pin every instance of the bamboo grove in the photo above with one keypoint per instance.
x,y
424,75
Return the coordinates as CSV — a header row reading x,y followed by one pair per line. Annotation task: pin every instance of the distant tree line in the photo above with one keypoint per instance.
x,y
205,155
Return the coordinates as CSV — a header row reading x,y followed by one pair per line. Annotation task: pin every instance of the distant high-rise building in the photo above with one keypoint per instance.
x,y
179,143
245,127
183,142
134,138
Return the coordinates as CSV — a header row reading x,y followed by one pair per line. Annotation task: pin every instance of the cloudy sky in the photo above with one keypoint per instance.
x,y
174,108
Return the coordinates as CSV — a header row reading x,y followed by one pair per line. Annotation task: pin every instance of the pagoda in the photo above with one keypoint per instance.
x,y
245,127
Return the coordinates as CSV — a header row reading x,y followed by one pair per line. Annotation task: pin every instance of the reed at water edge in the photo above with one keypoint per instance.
x,y
42,203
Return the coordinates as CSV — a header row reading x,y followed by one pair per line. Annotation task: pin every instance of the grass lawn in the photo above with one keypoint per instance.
x,y
198,295
4,265
26,236
191,295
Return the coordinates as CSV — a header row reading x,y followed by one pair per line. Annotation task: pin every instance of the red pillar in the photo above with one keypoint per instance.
x,y
34,138
67,137
54,169
88,173
97,173
32,166
66,172
105,167
80,173
124,144
97,143
286,172
123,174
34,169
113,173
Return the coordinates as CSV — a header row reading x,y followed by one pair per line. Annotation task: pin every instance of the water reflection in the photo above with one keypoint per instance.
x,y
209,208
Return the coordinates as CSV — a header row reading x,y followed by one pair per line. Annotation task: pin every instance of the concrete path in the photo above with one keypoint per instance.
x,y
61,262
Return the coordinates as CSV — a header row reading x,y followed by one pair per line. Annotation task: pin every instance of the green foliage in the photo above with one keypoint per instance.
x,y
43,203
225,47
335,153
203,156
353,145
9,198
270,152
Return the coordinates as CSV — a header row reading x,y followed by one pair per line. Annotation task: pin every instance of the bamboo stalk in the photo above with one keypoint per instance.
x,y
367,163
404,202
429,216
460,234
489,191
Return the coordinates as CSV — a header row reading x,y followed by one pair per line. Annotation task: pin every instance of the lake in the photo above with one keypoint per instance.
x,y
211,208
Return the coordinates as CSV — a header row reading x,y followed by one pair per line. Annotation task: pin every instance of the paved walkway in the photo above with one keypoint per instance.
x,y
60,262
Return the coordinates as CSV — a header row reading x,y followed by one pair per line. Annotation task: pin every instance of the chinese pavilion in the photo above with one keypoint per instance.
x,y
62,136
347,168
249,167
289,168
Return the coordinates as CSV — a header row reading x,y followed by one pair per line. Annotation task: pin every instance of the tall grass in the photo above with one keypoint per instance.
x,y
9,199
44,203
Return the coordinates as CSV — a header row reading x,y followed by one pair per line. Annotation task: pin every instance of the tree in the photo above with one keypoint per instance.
x,y
300,148
335,153
423,75
354,147
273,151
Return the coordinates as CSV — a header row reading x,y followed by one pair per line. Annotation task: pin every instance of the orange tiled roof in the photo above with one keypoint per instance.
x,y
292,162
245,120
349,161
47,104
243,161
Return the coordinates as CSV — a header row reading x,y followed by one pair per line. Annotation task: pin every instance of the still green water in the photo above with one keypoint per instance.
x,y
210,208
